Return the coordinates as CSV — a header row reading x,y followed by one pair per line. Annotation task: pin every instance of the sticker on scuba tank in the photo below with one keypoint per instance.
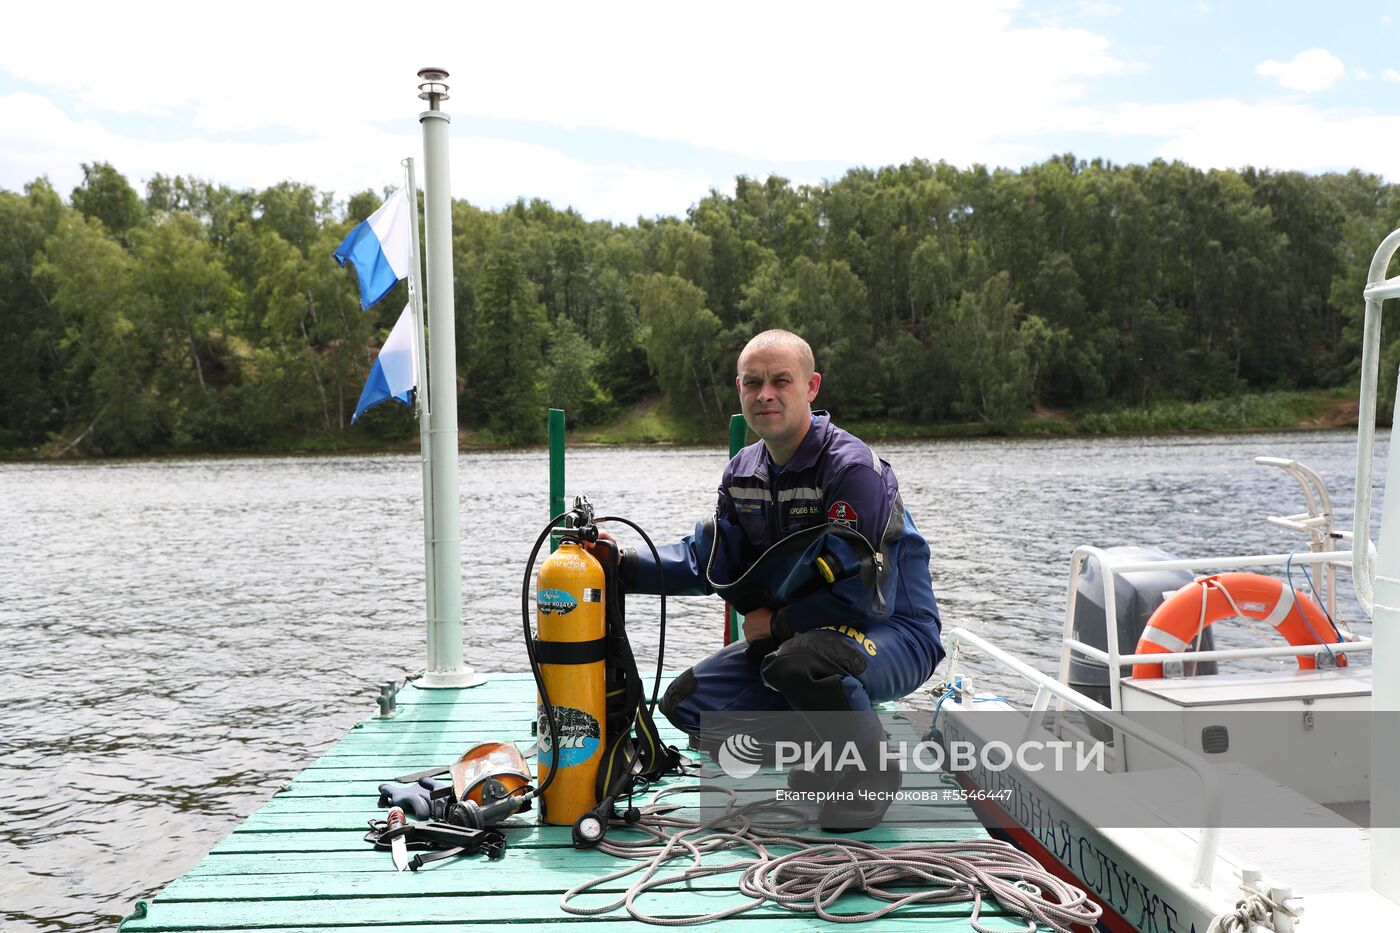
x,y
555,602
579,737
592,596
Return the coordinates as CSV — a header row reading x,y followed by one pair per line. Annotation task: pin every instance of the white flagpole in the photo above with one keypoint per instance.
x,y
415,293
445,663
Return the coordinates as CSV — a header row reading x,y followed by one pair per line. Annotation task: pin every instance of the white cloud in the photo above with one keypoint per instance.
x,y
1361,74
1230,133
777,81
39,139
1308,71
771,83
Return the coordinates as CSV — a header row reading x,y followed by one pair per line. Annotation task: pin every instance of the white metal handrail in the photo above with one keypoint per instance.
x,y
1316,523
1111,567
1378,289
1225,563
1212,800
1361,644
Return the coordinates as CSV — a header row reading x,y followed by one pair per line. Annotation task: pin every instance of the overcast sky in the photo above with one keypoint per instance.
x,y
628,109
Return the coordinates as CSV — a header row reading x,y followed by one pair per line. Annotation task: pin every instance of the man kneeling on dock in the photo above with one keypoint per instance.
x,y
811,542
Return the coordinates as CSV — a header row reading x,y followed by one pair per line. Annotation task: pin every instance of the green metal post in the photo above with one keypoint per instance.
x,y
738,434
556,466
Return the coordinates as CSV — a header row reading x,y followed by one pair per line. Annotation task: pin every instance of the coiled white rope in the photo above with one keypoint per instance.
x,y
818,871
1256,908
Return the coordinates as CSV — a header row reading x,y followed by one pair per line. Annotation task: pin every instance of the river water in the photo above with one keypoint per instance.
x,y
183,636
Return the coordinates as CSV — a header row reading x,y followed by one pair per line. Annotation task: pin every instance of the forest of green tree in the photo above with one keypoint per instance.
x,y
200,317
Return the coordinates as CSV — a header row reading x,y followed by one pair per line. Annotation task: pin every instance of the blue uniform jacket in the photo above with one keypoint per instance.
x,y
836,501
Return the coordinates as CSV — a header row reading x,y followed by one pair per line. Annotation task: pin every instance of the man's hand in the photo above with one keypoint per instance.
x,y
602,536
758,625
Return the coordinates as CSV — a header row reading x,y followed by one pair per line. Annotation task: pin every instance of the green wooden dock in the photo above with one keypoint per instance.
x,y
301,862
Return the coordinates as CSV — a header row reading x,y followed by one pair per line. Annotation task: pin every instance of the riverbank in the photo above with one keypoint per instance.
x,y
648,422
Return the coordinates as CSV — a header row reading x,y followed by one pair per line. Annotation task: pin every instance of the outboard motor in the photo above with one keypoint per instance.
x,y
1138,594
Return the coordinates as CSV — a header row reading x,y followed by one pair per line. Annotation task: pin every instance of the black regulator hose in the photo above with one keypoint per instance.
x,y
661,589
530,647
590,828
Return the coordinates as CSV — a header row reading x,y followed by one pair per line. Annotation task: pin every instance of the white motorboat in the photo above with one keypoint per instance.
x,y
1204,794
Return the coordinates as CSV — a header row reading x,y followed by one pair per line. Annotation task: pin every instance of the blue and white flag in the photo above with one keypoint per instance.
x,y
394,374
381,249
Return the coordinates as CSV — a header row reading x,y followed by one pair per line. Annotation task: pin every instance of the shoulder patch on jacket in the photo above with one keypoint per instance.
x,y
842,513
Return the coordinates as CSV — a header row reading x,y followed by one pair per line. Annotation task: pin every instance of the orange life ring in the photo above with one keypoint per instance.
x,y
1173,626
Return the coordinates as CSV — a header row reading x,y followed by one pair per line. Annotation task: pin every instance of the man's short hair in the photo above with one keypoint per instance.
x,y
779,339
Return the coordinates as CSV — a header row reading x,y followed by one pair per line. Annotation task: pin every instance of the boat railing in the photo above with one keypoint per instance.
x,y
1316,521
1114,658
1378,289
1047,687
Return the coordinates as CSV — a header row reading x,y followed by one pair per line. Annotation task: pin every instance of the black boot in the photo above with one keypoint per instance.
x,y
860,798
810,781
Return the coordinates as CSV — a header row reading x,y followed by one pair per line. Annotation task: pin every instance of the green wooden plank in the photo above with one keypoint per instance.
x,y
388,764
521,871
513,713
497,680
463,735
351,839
496,908
322,789
772,924
371,777
450,712
353,813
444,753
336,840
443,729
486,697
334,788
321,842
696,806
454,733
366,804
478,699
520,676
368,859
451,744
329,822
460,718
394,761
359,799
693,805
498,685
361,807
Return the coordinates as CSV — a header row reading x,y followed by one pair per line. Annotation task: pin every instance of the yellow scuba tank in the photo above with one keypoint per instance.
x,y
571,646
